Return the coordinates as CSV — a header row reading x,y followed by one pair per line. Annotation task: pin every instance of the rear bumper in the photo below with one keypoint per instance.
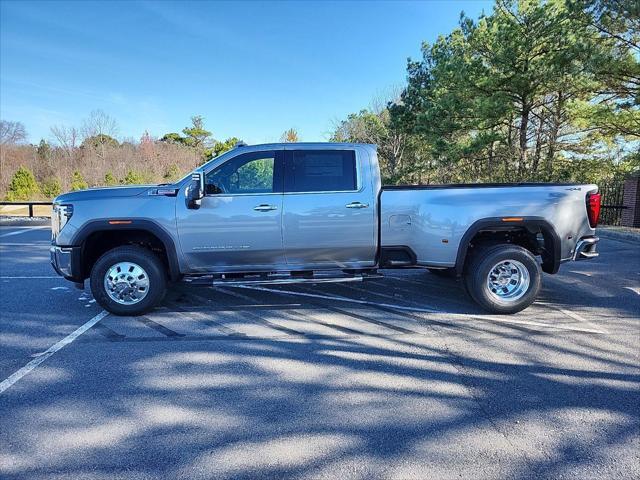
x,y
586,248
66,262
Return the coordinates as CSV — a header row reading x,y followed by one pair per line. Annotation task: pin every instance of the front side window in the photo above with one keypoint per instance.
x,y
321,171
248,173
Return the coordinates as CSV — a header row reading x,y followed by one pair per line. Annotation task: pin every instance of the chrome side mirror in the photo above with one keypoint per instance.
x,y
195,191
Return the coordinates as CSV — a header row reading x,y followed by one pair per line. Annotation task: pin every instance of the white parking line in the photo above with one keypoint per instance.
x,y
425,310
23,230
27,277
8,382
571,314
342,299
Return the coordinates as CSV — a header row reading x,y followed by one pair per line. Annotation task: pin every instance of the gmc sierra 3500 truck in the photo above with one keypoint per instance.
x,y
316,212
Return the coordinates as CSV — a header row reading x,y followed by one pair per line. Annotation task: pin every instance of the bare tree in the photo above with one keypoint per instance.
x,y
11,132
67,138
98,124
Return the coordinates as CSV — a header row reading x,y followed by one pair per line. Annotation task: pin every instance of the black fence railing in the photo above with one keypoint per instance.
x,y
612,203
29,205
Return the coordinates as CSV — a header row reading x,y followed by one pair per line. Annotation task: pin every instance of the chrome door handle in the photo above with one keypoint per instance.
x,y
265,208
357,205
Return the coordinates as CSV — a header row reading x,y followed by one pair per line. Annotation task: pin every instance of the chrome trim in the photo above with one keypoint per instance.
x,y
265,208
61,260
357,205
126,283
508,281
285,281
586,248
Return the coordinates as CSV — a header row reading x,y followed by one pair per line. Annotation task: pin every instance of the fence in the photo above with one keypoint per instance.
x,y
16,208
612,203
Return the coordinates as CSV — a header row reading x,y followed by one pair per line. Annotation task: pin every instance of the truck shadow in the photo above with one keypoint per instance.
x,y
344,408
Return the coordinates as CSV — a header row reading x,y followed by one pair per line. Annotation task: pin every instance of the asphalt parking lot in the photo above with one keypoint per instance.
x,y
401,377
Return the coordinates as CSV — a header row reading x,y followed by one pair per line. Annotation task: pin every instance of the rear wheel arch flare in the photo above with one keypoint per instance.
x,y
532,225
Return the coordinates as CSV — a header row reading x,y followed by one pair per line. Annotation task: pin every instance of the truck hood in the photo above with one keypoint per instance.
x,y
104,192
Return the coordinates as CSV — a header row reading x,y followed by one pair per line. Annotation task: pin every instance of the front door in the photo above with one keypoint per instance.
x,y
239,224
329,209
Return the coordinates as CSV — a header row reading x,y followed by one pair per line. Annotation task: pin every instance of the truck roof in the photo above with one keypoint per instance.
x,y
308,144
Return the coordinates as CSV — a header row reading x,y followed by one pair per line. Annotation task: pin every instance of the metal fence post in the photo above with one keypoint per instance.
x,y
631,200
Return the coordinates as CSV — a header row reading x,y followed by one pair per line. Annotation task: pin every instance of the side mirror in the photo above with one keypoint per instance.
x,y
195,191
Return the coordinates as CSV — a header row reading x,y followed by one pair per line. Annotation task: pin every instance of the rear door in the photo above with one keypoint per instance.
x,y
329,217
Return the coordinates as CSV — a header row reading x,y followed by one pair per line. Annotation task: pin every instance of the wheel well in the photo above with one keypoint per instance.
x,y
100,242
538,238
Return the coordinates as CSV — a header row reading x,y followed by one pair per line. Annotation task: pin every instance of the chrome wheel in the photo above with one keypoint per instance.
x,y
508,281
126,283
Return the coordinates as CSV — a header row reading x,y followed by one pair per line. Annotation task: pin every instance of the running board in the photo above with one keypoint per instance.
x,y
276,280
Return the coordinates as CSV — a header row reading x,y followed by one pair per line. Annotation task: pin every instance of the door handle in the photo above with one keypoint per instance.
x,y
265,208
357,205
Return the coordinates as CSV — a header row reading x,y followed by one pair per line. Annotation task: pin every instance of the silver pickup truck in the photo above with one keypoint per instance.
x,y
316,212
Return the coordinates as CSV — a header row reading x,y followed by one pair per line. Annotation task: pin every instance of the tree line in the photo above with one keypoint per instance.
x,y
91,155
534,91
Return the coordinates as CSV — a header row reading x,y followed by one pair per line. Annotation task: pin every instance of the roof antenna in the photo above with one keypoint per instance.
x,y
240,144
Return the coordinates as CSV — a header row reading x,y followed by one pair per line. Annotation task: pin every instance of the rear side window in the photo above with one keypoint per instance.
x,y
320,171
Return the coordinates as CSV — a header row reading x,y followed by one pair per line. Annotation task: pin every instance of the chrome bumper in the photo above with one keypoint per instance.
x,y
586,248
61,261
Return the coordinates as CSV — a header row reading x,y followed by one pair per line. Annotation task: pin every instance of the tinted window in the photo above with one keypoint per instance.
x,y
321,171
248,173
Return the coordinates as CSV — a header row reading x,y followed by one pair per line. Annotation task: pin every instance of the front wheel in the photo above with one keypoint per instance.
x,y
128,280
503,278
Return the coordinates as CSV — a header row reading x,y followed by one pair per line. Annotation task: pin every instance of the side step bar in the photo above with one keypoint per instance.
x,y
278,279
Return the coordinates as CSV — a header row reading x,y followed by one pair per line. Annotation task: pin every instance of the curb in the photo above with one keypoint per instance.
x,y
631,237
24,221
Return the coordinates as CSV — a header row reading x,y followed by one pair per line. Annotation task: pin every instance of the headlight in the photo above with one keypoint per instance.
x,y
60,215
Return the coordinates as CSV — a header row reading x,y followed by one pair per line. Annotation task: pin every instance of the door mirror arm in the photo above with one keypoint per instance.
x,y
195,191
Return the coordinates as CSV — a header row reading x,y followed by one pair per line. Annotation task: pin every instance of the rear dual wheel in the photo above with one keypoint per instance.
x,y
503,278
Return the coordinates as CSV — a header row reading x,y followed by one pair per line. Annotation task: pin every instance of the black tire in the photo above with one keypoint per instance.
x,y
146,259
443,272
480,265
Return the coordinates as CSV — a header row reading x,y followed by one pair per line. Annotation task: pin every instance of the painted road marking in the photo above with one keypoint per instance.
x,y
24,230
13,378
29,277
634,289
413,309
573,315
339,298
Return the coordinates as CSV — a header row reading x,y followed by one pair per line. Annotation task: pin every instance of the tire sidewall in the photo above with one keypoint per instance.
x,y
477,283
148,261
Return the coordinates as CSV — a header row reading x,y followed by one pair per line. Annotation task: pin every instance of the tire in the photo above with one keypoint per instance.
x,y
514,283
138,299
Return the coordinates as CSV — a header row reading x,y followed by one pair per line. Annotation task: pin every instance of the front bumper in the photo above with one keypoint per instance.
x,y
586,248
66,262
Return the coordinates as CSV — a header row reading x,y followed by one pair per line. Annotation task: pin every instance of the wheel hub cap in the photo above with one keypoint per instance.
x,y
126,283
508,281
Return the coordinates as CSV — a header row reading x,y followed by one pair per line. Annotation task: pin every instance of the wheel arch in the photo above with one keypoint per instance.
x,y
107,231
550,251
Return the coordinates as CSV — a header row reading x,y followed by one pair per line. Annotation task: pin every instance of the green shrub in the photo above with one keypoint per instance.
x,y
172,174
110,180
78,182
51,187
23,186
133,178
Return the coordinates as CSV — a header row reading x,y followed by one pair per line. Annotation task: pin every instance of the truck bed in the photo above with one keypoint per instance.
x,y
432,219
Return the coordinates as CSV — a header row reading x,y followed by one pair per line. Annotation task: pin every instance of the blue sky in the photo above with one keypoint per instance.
x,y
252,69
